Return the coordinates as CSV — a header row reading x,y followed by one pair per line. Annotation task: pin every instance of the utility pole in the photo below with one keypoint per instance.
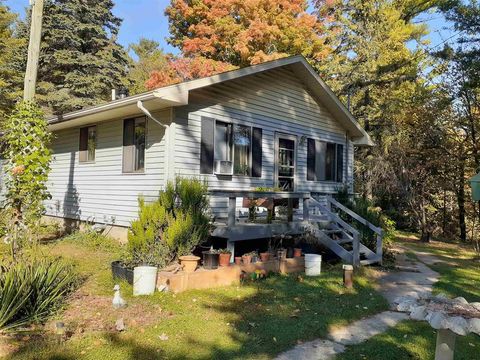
x,y
33,49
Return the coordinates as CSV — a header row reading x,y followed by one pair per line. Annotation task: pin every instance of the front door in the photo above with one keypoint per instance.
x,y
285,162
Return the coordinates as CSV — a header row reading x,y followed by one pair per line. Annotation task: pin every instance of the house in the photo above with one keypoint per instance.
x,y
275,124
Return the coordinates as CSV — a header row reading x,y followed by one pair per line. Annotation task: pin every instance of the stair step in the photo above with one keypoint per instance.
x,y
370,261
332,231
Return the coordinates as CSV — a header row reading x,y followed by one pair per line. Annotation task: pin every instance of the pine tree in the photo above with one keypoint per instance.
x,y
80,60
150,58
9,76
374,62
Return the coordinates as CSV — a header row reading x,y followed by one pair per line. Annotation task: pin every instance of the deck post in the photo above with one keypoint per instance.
x,y
290,210
380,247
356,250
232,204
231,247
306,210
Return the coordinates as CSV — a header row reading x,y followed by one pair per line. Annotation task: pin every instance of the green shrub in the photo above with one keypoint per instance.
x,y
171,226
373,214
31,289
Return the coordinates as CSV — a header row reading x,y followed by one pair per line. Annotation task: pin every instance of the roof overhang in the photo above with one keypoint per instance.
x,y
152,100
177,95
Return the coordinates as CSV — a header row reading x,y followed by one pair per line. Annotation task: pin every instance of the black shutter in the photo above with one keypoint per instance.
x,y
128,145
207,145
311,160
256,152
339,163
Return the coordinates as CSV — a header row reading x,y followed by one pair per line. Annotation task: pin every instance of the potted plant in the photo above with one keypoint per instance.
x,y
297,252
247,258
265,256
224,257
121,271
238,260
210,259
189,263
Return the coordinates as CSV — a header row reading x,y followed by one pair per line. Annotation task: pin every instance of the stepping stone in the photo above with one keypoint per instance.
x,y
362,330
313,350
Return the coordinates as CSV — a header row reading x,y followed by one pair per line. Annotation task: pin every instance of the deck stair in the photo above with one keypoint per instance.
x,y
340,236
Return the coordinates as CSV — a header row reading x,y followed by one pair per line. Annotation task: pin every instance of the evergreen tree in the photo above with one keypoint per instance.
x,y
80,60
150,58
9,44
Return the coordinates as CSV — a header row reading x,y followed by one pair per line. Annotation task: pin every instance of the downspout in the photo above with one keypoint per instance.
x,y
167,135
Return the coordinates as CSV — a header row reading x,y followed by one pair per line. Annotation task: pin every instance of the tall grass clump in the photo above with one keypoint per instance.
x,y
31,289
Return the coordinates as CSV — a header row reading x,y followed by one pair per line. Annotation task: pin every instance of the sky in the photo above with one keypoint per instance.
x,y
141,18
145,18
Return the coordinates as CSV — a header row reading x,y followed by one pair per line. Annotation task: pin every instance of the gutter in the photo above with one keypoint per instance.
x,y
105,107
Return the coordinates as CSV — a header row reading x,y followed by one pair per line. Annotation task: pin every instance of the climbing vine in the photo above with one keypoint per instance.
x,y
26,168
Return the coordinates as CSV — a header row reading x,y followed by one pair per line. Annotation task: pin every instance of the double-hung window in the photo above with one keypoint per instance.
x,y
88,143
134,137
324,161
233,143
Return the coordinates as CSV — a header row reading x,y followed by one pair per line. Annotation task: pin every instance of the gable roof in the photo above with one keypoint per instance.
x,y
177,95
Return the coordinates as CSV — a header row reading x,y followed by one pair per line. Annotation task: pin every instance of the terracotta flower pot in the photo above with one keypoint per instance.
x,y
264,257
189,262
224,259
297,252
238,260
247,259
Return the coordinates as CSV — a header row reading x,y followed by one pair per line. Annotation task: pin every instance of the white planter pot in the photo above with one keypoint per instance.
x,y
313,264
144,280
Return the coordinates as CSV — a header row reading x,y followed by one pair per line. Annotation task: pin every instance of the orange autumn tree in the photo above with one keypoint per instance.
x,y
180,69
246,32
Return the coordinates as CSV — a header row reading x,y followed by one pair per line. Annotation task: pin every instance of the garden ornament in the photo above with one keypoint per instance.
x,y
118,302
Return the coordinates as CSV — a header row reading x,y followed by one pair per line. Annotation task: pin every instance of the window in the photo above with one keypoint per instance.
x,y
134,131
222,150
242,140
88,143
324,161
234,142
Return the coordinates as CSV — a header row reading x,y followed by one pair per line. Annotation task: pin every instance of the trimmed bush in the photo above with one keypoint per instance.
x,y
171,226
31,289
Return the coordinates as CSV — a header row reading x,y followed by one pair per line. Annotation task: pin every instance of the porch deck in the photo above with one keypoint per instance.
x,y
314,216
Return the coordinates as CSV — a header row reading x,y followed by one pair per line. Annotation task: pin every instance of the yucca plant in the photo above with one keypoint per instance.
x,y
31,289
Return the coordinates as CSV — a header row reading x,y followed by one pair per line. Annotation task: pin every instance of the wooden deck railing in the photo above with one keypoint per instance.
x,y
378,231
232,196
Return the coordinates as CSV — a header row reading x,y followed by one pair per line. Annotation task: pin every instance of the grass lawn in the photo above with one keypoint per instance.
x,y
256,320
460,276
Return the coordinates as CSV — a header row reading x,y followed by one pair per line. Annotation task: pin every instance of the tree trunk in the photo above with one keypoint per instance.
x,y
461,202
426,234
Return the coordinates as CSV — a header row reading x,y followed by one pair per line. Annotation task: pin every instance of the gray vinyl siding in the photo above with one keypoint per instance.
x,y
276,102
99,191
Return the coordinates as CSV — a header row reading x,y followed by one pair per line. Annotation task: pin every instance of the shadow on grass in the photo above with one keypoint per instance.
x,y
283,312
256,321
